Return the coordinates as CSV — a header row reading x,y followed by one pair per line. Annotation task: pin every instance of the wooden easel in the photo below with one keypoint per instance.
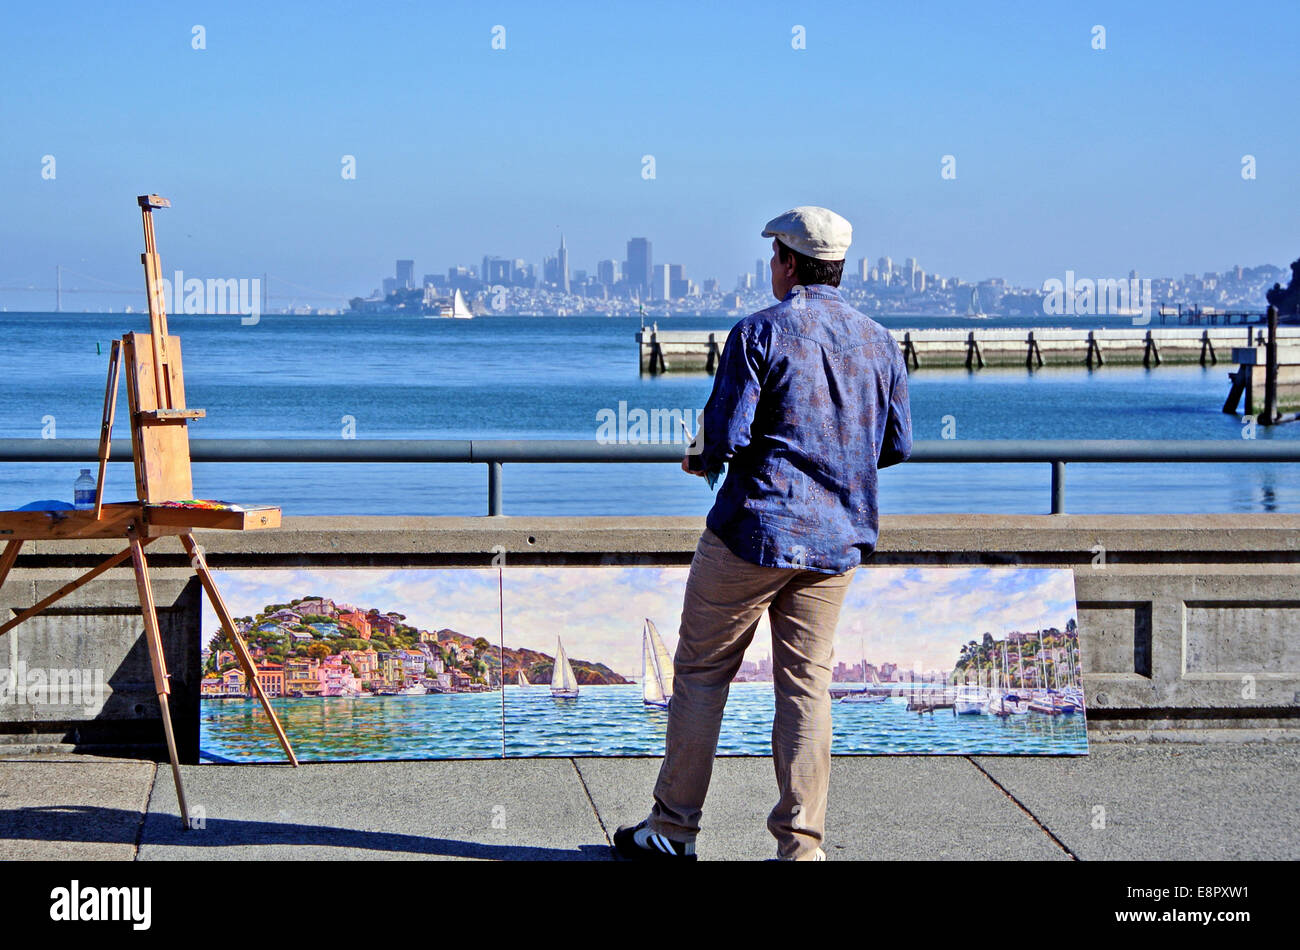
x,y
163,506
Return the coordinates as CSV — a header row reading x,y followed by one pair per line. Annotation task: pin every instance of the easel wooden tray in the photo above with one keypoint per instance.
x,y
72,524
245,518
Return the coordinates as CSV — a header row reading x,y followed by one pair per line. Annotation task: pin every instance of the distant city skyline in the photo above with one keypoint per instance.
x,y
630,274
319,149
1236,287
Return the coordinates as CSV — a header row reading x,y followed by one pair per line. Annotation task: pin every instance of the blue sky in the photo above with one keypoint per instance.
x,y
1066,156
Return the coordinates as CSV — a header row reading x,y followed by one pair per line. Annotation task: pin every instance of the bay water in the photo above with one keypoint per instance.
x,y
392,377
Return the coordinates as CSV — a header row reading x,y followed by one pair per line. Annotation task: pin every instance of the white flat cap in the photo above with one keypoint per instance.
x,y
813,232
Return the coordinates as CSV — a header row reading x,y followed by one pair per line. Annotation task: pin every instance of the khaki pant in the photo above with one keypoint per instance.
x,y
725,598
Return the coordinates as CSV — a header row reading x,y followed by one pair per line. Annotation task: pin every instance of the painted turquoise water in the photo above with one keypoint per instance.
x,y
603,721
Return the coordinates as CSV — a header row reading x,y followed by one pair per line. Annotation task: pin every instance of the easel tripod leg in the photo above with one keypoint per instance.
x,y
66,589
200,565
8,558
153,638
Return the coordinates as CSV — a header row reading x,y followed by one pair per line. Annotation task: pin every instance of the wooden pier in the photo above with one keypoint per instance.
x,y
928,700
671,351
920,699
1271,367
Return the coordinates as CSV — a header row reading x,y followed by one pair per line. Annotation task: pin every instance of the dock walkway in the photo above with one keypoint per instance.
x,y
667,351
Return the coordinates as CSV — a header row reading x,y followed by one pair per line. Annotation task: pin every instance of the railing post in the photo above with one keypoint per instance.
x,y
494,488
1058,487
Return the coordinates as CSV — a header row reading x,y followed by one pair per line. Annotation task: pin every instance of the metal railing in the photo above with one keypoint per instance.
x,y
494,453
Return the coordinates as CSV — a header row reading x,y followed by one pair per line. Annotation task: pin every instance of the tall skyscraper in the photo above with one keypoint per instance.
x,y
562,262
498,270
463,278
864,269
661,287
760,272
678,285
886,267
406,274
640,265
607,272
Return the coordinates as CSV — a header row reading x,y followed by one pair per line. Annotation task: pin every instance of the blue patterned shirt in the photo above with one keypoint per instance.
x,y
809,401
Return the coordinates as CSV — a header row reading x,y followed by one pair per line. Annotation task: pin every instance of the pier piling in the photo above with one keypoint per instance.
x,y
1207,346
1149,352
1094,351
1270,414
1035,353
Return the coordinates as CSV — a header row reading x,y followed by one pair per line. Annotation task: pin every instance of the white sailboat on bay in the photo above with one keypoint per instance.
x,y
564,685
453,307
656,668
521,679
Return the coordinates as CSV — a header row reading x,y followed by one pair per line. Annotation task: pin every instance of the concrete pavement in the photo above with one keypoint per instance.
x,y
1197,799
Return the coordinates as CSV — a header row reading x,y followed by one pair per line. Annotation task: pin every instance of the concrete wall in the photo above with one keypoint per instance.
x,y
1185,621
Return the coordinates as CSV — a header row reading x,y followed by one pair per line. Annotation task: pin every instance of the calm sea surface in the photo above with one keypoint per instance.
x,y
548,377
603,720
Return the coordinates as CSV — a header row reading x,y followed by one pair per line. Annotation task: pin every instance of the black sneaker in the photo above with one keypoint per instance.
x,y
639,843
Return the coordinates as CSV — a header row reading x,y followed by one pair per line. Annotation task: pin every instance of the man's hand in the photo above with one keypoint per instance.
x,y
686,467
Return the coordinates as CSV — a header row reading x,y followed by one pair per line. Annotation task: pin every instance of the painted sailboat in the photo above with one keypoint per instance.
x,y
868,694
564,685
521,679
656,668
971,700
1073,692
1007,702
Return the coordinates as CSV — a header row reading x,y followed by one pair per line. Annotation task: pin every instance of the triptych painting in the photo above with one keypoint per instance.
x,y
577,661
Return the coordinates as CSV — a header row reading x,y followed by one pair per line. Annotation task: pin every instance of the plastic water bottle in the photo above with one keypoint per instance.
x,y
83,491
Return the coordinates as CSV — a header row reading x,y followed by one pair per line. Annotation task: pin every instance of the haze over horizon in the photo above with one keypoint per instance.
x,y
1066,157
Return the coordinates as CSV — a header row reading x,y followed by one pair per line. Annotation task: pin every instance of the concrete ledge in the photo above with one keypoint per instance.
x,y
1068,538
1188,621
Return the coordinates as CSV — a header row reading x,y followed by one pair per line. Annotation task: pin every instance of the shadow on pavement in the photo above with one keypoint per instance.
x,y
119,826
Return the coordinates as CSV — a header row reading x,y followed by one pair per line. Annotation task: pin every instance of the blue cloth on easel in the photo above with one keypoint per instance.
x,y
49,504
